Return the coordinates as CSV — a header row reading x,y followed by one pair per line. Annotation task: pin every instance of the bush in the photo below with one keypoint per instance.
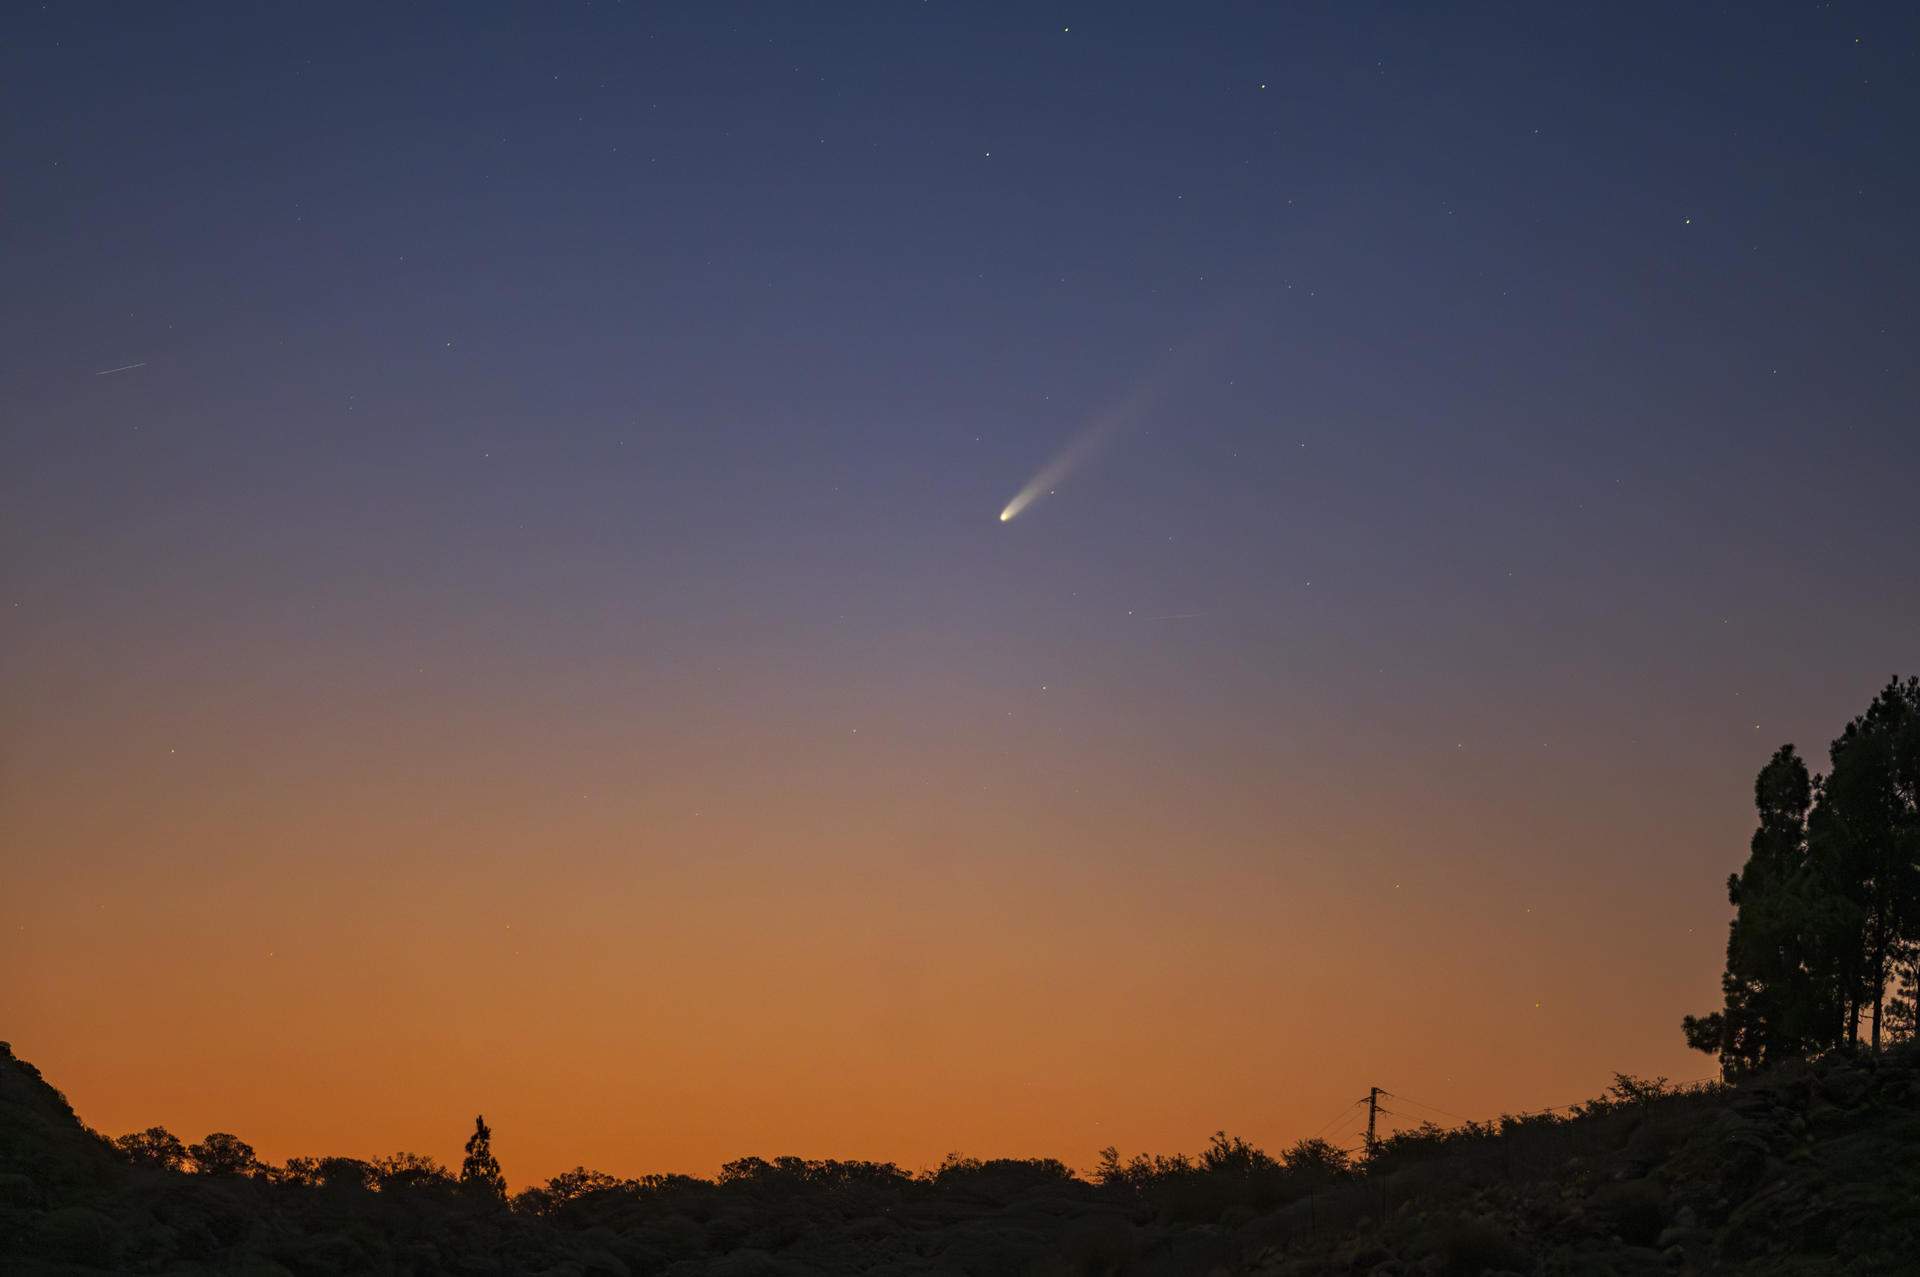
x,y
1635,1210
223,1154
79,1236
1102,1246
156,1148
1469,1247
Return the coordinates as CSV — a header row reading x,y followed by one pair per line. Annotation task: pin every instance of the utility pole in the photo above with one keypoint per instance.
x,y
1373,1114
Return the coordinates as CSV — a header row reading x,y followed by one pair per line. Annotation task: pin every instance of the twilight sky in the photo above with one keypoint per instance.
x,y
504,605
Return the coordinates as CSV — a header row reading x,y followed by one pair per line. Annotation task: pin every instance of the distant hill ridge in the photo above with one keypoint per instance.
x,y
1812,1167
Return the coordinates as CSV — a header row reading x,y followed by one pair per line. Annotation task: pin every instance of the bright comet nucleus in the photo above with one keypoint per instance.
x,y
1094,437
1078,450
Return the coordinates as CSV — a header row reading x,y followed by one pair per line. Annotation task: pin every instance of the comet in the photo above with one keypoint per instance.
x,y
1116,420
1082,448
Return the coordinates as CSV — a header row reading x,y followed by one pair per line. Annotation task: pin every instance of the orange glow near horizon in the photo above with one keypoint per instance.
x,y
1026,923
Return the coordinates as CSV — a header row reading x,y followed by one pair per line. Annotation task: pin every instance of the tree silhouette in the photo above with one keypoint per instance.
x,y
409,1170
1765,982
341,1174
571,1186
1827,906
1316,1162
223,1154
1866,832
1903,1008
479,1172
155,1147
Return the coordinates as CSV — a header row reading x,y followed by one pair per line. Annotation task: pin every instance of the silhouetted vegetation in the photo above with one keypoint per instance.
x,y
480,1173
156,1147
1797,1168
1826,928
1807,1158
223,1154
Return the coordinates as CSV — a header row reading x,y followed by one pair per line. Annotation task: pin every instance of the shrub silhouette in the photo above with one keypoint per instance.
x,y
1103,1246
1470,1247
401,1172
1000,1179
1315,1164
337,1174
1636,1210
562,1190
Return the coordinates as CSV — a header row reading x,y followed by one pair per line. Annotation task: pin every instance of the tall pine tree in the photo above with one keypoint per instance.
x,y
1827,908
1765,984
1865,834
479,1172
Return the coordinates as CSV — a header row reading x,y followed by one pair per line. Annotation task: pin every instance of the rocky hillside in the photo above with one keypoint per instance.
x,y
1811,1168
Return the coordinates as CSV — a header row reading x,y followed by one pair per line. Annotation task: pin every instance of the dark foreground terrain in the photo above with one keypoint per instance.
x,y
1811,1168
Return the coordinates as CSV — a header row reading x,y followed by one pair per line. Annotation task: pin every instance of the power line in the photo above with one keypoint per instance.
x,y
1551,1108
1423,1104
1351,1125
1342,1130
1370,1103
1335,1118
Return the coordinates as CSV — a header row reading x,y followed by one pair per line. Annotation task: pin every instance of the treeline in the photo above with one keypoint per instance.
x,y
226,1156
1824,949
1230,1173
213,1200
1807,1166
1230,1179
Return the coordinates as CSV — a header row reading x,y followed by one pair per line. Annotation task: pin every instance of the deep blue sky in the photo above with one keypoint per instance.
x,y
1512,277
1518,442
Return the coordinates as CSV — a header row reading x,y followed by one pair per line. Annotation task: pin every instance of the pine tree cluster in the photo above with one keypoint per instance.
x,y
1825,940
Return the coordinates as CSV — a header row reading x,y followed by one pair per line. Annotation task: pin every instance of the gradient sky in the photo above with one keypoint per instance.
x,y
532,632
